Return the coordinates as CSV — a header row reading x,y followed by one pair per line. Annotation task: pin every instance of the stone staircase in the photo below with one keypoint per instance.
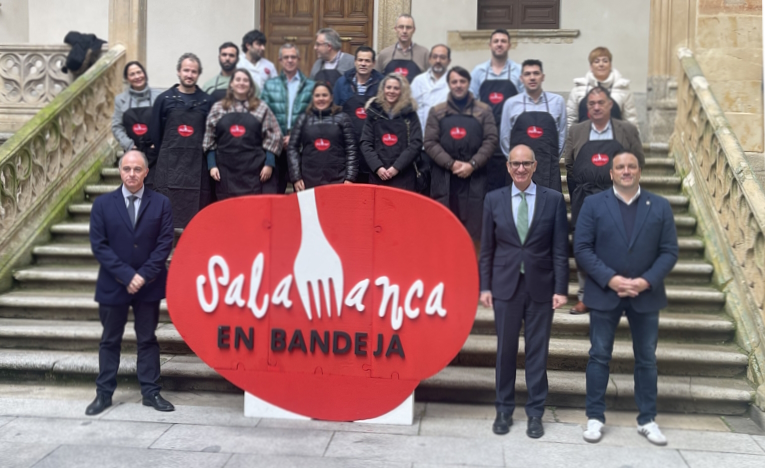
x,y
49,327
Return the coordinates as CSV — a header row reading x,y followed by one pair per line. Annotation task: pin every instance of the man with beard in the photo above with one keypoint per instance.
x,y
177,129
331,63
493,82
227,57
252,60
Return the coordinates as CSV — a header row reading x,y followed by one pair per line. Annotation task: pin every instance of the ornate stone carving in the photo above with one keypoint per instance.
x,y
31,76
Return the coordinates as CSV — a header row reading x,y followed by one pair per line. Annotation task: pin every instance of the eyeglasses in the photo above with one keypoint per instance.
x,y
289,57
321,43
518,164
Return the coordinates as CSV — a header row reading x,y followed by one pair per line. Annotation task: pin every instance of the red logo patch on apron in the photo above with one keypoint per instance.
x,y
600,159
535,132
496,98
458,133
402,71
321,144
361,113
185,130
237,131
389,139
140,129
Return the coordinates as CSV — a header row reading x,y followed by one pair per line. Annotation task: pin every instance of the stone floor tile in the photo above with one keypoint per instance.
x,y
694,422
218,416
5,420
240,460
683,440
760,441
743,425
244,440
225,400
71,431
422,449
89,456
545,454
471,428
462,411
717,460
43,408
16,455
340,426
60,392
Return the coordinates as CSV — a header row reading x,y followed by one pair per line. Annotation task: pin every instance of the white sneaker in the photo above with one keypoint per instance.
x,y
593,434
652,432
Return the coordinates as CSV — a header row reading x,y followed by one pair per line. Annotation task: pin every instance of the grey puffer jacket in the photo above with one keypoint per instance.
x,y
124,101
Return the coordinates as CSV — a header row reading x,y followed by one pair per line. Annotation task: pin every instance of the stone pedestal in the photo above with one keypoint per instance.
x,y
127,26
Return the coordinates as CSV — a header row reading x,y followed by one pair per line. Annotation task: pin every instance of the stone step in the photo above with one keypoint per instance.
x,y
688,299
56,305
77,232
684,224
678,203
684,272
572,354
689,247
567,388
655,164
663,185
93,191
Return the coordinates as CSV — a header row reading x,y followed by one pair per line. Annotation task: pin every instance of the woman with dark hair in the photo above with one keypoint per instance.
x,y
322,148
241,138
460,137
392,135
132,113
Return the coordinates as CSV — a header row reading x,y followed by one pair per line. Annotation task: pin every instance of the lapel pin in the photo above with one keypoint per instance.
x,y
648,202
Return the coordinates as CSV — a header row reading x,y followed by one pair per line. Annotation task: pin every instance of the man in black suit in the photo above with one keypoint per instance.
x,y
627,243
524,276
131,235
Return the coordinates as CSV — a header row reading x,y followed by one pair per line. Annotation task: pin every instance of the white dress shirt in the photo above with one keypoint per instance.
x,y
620,197
531,196
139,194
428,91
605,134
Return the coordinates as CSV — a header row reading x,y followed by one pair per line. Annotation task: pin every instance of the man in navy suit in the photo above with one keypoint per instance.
x,y
627,243
131,235
524,276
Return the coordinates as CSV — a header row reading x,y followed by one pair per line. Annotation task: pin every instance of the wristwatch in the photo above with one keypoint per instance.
x,y
472,163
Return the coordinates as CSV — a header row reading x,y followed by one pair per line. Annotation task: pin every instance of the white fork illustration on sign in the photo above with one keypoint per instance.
x,y
316,261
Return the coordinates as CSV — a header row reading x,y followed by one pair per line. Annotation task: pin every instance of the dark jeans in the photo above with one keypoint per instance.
x,y
114,318
644,328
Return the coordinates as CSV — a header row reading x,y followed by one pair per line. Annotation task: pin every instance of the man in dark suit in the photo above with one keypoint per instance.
x,y
131,235
524,277
596,140
627,243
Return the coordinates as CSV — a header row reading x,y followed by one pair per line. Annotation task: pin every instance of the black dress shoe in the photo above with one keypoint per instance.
x,y
502,423
159,403
534,428
99,404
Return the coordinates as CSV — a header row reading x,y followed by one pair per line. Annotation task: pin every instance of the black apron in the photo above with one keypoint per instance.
x,y
330,76
182,173
354,108
538,131
405,67
616,112
591,172
323,159
240,156
136,122
391,139
495,93
461,136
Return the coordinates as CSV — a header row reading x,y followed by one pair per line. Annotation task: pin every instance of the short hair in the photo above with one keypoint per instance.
x,y
597,89
332,37
448,50
500,31
288,45
137,64
253,36
533,154
145,159
405,15
228,45
189,56
532,63
600,52
366,49
641,161
460,71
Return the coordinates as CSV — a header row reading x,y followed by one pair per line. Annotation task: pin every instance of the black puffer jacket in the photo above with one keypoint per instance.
x,y
299,146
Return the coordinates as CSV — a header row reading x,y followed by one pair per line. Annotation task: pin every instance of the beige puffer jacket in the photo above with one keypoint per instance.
x,y
620,92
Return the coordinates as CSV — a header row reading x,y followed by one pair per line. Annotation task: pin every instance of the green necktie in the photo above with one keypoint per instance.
x,y
523,221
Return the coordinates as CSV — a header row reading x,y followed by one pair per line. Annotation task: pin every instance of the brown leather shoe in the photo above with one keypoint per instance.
x,y
579,309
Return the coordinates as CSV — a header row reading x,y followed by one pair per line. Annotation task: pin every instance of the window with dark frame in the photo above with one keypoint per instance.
x,y
519,14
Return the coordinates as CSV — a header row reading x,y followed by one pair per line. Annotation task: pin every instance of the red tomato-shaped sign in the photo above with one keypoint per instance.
x,y
534,132
140,129
458,133
237,131
389,139
402,71
361,113
321,144
496,98
600,159
185,130
318,302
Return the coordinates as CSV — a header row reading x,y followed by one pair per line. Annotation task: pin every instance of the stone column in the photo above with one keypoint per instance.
x,y
127,26
386,20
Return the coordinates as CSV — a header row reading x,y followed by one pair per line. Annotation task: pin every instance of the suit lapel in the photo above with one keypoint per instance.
x,y
539,205
122,208
508,202
613,207
644,206
144,205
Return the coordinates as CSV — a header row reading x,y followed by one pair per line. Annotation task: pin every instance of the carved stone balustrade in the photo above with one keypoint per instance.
x,y
730,205
30,78
48,161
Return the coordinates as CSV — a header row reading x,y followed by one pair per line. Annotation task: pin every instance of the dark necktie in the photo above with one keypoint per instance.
x,y
131,208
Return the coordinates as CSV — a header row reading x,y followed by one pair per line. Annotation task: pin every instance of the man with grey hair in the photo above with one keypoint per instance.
x,y
331,63
404,57
287,95
177,129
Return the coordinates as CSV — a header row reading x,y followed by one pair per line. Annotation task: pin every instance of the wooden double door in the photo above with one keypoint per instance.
x,y
297,21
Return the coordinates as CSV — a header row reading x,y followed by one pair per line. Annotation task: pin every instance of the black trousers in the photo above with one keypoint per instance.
x,y
537,319
281,173
114,318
